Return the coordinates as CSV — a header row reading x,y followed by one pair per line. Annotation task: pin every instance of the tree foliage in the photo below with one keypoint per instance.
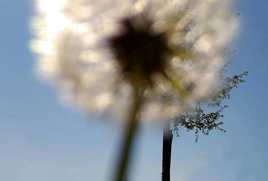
x,y
207,117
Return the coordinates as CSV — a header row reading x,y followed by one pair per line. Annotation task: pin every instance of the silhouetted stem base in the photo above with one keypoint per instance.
x,y
166,157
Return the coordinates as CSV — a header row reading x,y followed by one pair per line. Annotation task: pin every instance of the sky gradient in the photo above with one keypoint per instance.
x,y
40,139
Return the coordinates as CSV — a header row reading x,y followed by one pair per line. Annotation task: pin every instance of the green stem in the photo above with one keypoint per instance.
x,y
130,131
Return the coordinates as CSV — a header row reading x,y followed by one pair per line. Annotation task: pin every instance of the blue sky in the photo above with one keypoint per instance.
x,y
45,141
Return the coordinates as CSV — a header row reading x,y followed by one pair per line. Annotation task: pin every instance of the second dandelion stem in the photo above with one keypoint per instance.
x,y
167,149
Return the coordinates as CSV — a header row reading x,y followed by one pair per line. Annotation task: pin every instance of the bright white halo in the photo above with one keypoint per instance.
x,y
70,42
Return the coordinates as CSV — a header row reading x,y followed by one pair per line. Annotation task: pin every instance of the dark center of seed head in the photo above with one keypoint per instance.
x,y
140,52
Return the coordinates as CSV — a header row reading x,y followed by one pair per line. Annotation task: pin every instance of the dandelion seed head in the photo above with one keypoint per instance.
x,y
140,52
93,51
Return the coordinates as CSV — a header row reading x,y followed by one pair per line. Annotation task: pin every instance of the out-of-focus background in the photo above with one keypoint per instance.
x,y
42,140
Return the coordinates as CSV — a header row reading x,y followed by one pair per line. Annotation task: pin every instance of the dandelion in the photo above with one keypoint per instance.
x,y
133,59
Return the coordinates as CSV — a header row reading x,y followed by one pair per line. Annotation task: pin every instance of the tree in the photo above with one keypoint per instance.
x,y
200,120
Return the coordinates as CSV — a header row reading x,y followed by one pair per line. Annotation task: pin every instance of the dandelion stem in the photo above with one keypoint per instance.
x,y
166,158
130,131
